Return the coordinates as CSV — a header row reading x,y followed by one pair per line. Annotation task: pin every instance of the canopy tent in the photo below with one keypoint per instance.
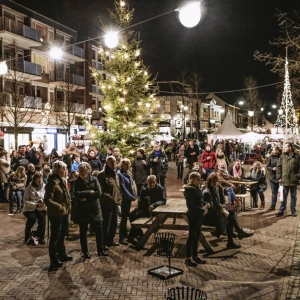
x,y
163,137
227,129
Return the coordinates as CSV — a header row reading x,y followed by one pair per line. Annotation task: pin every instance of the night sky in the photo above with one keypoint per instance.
x,y
220,47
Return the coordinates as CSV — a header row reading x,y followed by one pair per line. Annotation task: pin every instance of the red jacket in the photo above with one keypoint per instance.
x,y
212,162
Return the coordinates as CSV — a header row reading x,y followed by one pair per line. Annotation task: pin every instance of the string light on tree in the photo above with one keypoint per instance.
x,y
286,114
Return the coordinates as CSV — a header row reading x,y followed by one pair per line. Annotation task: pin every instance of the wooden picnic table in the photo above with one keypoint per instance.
x,y
243,197
174,208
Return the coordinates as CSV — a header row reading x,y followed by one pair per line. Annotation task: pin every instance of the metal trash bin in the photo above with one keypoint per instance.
x,y
165,243
186,293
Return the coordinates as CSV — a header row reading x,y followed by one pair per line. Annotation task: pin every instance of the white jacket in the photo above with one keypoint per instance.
x,y
32,196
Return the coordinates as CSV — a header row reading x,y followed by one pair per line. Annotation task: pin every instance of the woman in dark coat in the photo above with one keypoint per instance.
x,y
196,209
94,162
87,208
272,166
213,194
140,170
58,201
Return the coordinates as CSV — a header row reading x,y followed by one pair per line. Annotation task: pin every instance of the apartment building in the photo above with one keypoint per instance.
x,y
64,84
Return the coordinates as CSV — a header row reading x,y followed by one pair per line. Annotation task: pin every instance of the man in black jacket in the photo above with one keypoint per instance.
x,y
191,153
152,195
158,161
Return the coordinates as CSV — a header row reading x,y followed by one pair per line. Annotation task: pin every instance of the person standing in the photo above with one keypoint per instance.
x,y
195,213
288,174
4,171
220,153
158,161
179,160
110,199
94,162
272,166
209,160
140,170
129,194
191,153
35,208
87,209
58,202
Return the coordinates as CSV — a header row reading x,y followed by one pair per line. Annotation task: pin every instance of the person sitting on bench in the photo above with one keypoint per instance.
x,y
152,195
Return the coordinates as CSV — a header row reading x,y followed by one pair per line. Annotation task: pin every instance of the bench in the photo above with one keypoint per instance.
x,y
142,222
243,199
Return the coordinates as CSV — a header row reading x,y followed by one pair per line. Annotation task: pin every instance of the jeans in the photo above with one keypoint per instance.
x,y
274,188
179,170
110,219
195,224
254,192
286,190
58,231
209,171
32,216
230,193
97,228
19,195
125,206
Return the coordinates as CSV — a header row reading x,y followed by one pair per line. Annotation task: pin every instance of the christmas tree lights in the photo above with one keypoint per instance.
x,y
127,87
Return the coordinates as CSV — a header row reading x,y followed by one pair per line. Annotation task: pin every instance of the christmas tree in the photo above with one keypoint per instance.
x,y
286,117
128,90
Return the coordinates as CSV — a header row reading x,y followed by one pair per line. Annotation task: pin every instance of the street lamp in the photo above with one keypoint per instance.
x,y
241,102
251,114
189,16
185,108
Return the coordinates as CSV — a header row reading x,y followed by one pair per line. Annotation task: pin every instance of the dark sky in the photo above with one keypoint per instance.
x,y
220,47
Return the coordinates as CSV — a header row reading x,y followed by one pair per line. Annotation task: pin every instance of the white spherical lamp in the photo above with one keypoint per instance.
x,y
55,53
190,14
111,39
3,68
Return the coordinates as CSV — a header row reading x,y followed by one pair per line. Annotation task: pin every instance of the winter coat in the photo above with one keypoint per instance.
x,y
32,196
18,182
57,197
75,166
157,197
87,206
194,201
224,178
4,170
179,159
159,168
288,169
273,160
140,172
29,177
191,158
127,186
260,177
21,161
212,162
95,164
110,191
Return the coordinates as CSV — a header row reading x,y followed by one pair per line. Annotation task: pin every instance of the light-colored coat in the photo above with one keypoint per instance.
x,y
31,198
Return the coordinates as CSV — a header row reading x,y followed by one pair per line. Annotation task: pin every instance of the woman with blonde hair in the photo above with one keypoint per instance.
x,y
16,184
258,173
220,153
58,202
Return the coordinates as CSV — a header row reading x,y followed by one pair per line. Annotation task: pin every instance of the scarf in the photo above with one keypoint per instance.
x,y
237,173
37,187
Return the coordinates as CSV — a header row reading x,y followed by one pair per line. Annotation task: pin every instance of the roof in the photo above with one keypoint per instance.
x,y
228,128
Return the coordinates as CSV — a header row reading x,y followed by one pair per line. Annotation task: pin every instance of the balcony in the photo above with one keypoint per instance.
x,y
27,102
23,35
33,70
72,108
97,64
75,50
95,89
66,77
70,52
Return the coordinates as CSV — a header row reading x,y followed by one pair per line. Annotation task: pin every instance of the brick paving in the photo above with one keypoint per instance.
x,y
266,267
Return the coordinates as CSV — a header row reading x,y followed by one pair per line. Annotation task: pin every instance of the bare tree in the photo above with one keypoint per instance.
x,y
289,37
69,104
18,106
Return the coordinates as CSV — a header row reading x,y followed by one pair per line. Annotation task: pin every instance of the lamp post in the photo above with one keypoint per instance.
x,y
241,102
251,114
184,110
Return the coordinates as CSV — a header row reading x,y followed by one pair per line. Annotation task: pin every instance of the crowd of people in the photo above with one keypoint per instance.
x,y
98,188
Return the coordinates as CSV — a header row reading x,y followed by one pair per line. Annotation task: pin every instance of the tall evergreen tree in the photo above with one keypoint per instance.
x,y
128,90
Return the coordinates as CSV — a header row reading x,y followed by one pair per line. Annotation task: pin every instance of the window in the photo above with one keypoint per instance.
x,y
40,60
167,107
179,106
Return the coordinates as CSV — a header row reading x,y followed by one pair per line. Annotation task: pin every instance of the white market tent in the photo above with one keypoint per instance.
x,y
227,129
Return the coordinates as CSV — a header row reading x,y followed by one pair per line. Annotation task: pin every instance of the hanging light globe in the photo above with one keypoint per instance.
x,y
111,39
190,14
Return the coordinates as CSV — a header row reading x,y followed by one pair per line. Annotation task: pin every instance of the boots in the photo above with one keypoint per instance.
x,y
262,206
